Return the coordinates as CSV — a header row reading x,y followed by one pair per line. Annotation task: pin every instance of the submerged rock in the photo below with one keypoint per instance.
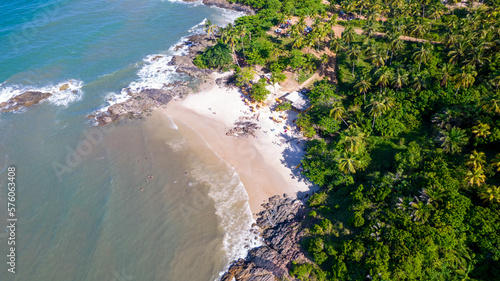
x,y
64,87
25,99
141,103
281,230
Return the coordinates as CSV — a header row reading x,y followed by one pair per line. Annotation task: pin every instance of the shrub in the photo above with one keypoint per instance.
x,y
217,56
284,106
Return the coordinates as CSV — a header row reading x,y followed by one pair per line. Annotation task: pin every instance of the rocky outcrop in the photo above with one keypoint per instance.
x,y
141,103
232,6
243,129
144,102
281,231
23,100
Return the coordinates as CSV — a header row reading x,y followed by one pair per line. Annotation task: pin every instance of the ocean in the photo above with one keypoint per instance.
x,y
141,200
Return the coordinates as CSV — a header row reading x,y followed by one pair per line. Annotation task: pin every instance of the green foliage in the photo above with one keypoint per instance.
x,y
393,139
306,126
284,106
259,92
217,56
244,75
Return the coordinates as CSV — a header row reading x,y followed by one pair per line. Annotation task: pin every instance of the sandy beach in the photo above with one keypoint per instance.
x,y
267,163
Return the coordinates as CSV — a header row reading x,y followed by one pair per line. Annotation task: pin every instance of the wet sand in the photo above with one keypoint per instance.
x,y
266,164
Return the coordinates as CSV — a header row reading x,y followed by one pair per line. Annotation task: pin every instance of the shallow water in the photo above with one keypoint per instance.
x,y
81,212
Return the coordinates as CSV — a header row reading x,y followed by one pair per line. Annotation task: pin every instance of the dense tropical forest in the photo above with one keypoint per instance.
x,y
404,136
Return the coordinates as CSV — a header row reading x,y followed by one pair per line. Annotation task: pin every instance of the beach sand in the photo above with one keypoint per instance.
x,y
267,163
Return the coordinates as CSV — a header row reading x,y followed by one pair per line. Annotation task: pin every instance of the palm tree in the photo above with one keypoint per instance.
x,y
348,164
491,194
476,160
337,111
275,53
395,44
348,35
242,32
231,38
420,80
491,104
363,86
370,28
210,28
335,46
465,78
496,162
423,54
419,211
424,3
331,23
378,57
452,140
437,12
384,76
451,39
477,58
419,29
495,79
476,177
481,130
352,140
301,25
458,52
379,105
282,18
353,54
446,71
298,42
400,79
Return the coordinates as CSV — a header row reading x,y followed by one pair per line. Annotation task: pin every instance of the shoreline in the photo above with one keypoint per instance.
x,y
265,167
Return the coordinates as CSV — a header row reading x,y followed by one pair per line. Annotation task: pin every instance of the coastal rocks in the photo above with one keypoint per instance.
x,y
185,66
64,87
243,129
145,101
141,103
25,99
280,225
226,5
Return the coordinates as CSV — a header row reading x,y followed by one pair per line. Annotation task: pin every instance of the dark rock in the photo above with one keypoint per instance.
x,y
25,99
141,104
243,129
232,6
281,230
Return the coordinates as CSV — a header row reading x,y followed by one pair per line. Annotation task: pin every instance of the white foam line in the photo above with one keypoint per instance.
x,y
236,244
62,94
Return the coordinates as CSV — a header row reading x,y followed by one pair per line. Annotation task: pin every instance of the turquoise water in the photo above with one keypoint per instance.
x,y
82,215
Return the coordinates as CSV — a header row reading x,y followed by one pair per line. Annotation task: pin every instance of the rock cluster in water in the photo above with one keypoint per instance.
x,y
26,99
145,101
281,230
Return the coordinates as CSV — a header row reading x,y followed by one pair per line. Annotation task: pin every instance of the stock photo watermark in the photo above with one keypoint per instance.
x,y
11,219
121,276
76,155
32,25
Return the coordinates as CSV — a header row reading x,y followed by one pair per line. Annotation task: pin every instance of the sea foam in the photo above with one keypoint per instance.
x,y
72,93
